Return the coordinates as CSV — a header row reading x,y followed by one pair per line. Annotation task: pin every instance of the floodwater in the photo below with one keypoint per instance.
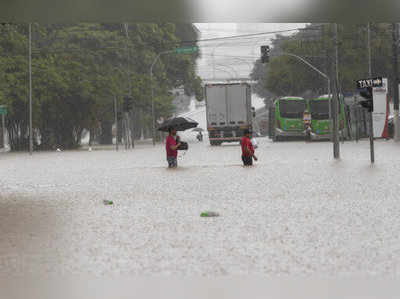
x,y
295,212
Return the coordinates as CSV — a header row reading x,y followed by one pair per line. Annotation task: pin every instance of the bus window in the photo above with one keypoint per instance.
x,y
292,108
319,109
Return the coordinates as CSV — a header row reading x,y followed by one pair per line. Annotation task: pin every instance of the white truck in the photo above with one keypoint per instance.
x,y
229,111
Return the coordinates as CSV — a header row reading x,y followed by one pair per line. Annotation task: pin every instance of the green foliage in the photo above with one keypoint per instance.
x,y
78,69
285,75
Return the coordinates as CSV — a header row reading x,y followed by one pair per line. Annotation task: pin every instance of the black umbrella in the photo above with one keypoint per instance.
x,y
178,123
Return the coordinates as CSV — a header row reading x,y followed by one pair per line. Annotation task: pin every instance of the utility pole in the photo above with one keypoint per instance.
x,y
3,124
369,50
371,119
153,120
126,130
357,122
395,84
328,71
30,91
335,123
116,122
128,115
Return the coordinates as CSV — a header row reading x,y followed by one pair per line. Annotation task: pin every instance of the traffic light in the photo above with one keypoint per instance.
x,y
265,54
253,111
368,103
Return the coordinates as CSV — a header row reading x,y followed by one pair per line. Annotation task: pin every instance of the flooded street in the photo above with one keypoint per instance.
x,y
295,212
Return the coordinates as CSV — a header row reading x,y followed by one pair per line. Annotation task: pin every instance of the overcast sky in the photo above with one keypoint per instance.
x,y
234,57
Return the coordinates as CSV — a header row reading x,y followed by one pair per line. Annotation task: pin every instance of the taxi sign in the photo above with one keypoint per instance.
x,y
372,82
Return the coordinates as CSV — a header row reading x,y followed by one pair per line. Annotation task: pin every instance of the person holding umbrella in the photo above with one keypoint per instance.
x,y
172,143
171,146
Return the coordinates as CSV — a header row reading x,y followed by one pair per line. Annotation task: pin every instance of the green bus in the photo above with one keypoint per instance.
x,y
320,120
289,117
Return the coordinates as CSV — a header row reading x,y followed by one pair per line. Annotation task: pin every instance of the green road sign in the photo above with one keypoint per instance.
x,y
187,50
3,110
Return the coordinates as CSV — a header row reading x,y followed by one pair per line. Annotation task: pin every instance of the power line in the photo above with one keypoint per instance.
x,y
247,35
232,56
242,36
233,37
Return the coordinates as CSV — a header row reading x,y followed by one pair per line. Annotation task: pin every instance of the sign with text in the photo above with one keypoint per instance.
x,y
186,50
3,110
381,109
372,82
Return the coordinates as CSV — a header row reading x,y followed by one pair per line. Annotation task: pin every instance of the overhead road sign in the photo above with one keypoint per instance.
x,y
3,110
187,50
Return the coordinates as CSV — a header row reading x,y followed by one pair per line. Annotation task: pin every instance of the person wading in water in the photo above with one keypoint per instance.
x,y
247,149
171,146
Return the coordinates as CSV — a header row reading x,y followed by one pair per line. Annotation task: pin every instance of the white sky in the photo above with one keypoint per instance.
x,y
234,57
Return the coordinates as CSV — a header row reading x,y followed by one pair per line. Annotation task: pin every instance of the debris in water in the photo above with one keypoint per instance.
x,y
108,202
209,214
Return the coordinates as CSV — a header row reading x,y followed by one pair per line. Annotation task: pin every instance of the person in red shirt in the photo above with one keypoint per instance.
x,y
247,149
171,146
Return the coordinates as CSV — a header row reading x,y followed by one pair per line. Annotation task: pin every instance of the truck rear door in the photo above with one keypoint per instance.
x,y
216,106
237,105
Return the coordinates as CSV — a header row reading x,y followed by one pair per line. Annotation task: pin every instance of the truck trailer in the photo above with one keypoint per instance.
x,y
229,111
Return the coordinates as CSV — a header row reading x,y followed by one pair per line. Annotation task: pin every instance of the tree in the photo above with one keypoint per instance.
x,y
285,75
77,71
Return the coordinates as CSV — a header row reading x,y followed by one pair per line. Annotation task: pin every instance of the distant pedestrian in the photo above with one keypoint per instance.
x,y
171,146
307,125
247,149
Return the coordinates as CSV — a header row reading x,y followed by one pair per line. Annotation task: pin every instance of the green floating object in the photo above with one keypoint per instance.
x,y
108,202
209,214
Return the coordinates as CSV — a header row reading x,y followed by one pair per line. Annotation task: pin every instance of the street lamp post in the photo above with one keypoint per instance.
x,y
213,57
234,72
336,151
187,50
314,68
230,74
152,95
245,61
